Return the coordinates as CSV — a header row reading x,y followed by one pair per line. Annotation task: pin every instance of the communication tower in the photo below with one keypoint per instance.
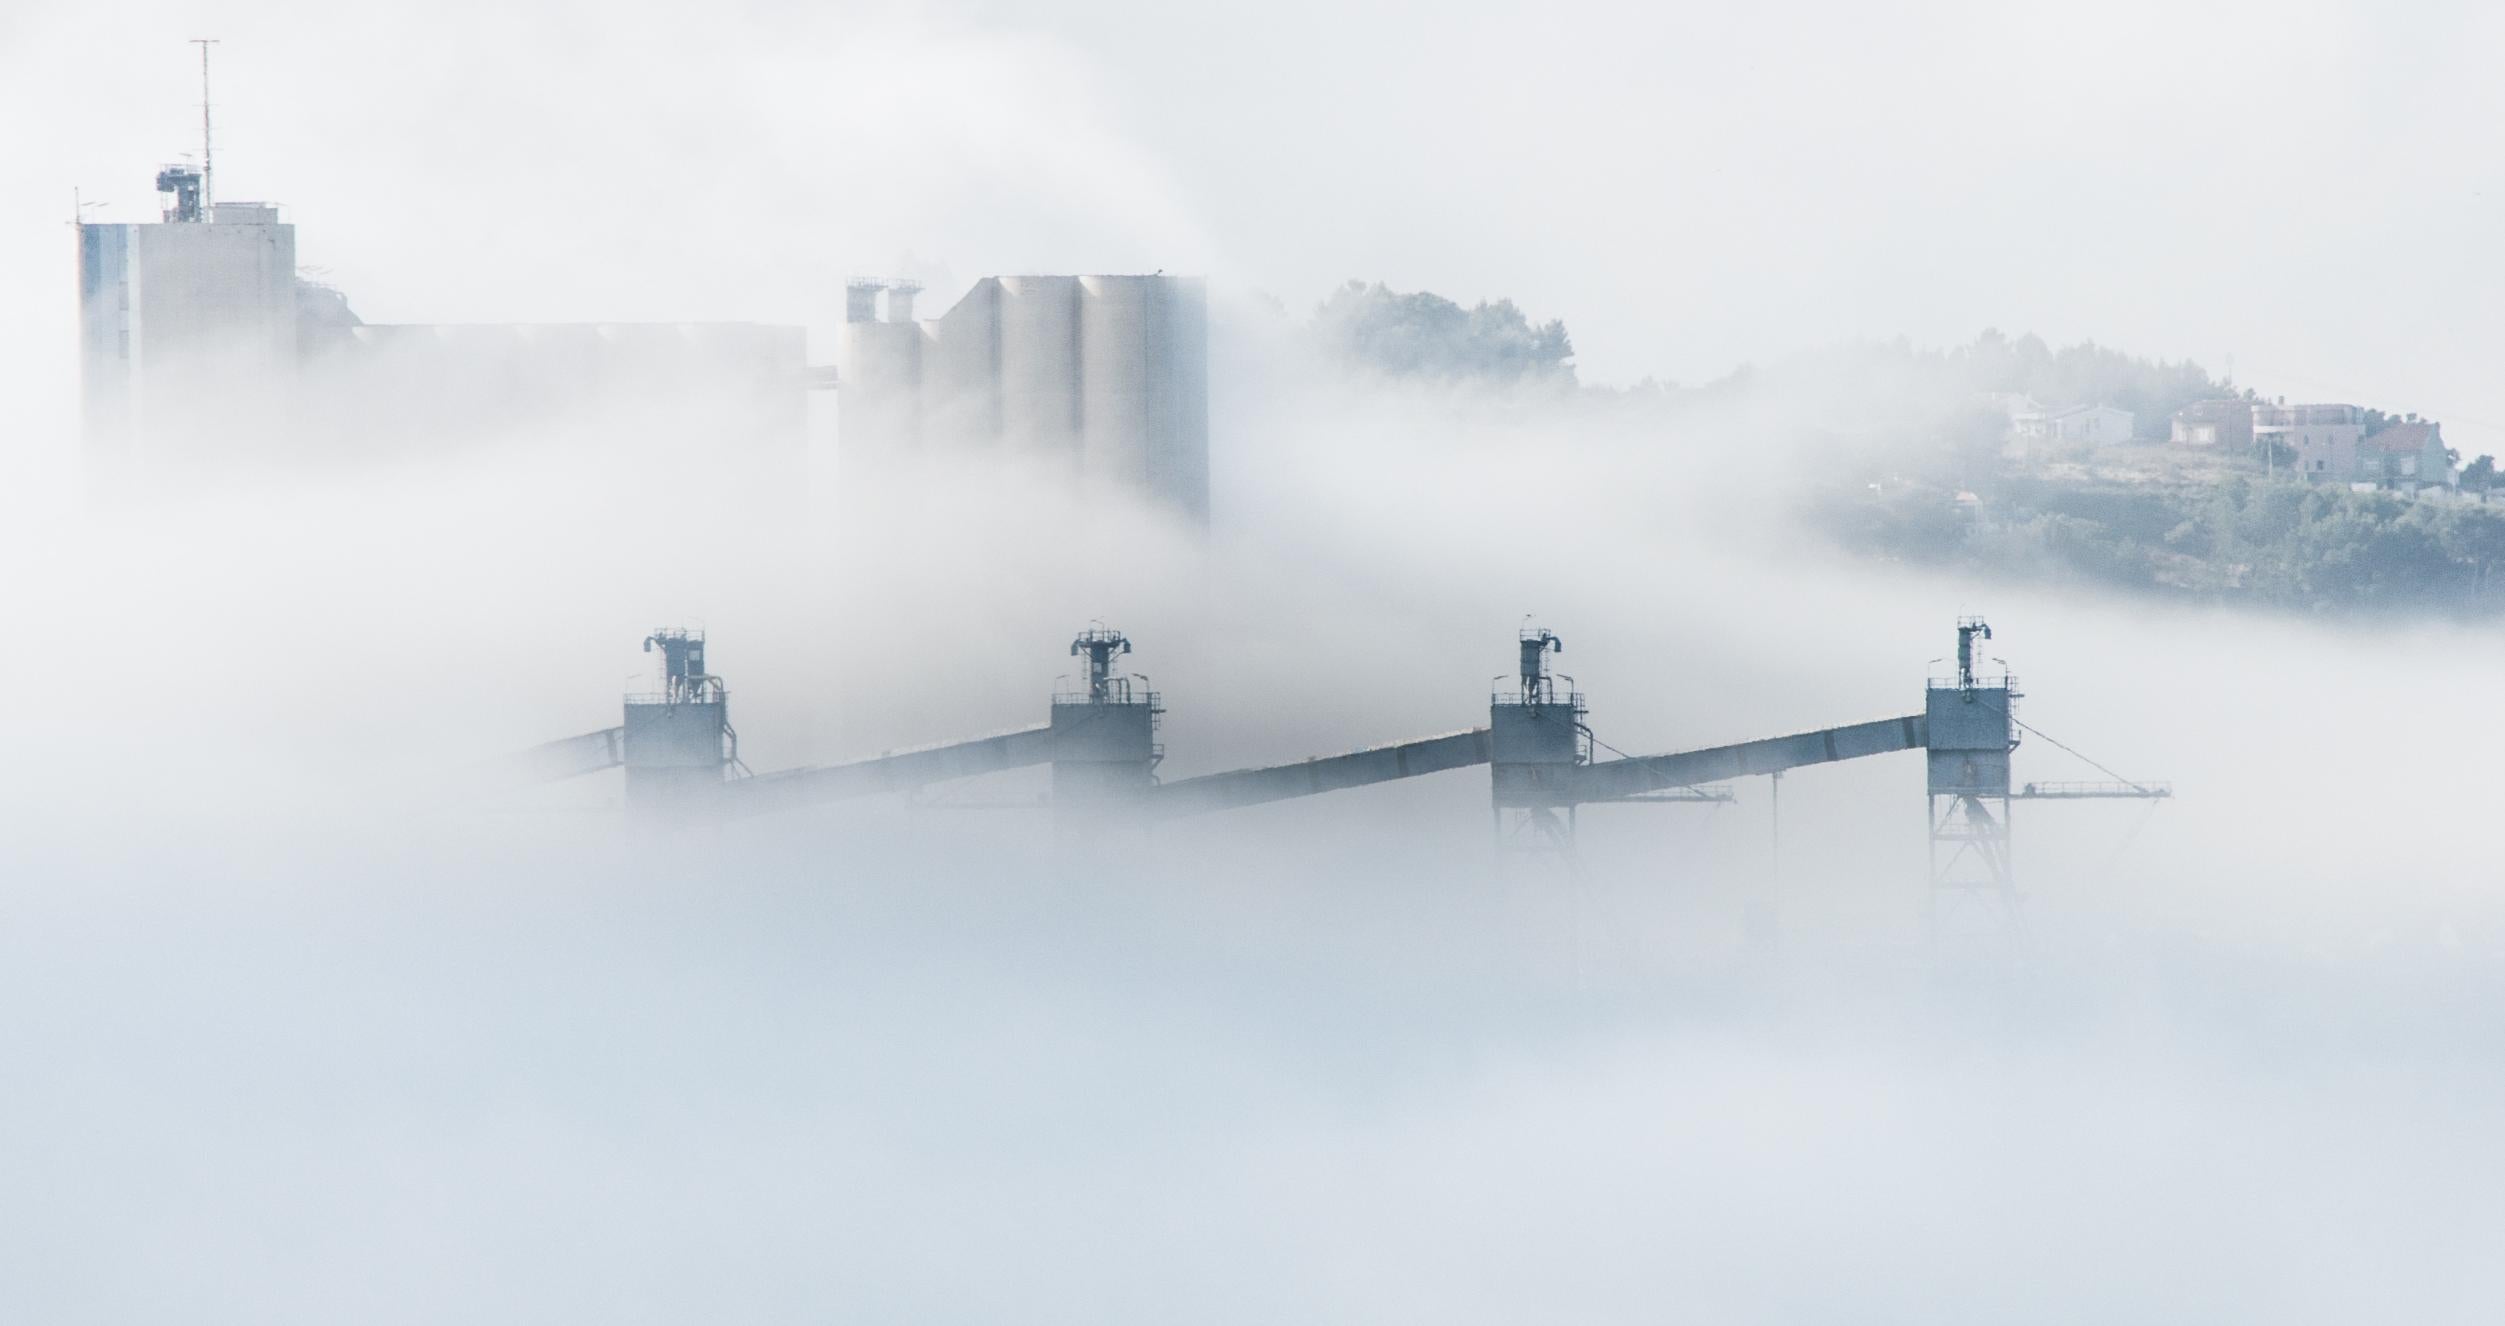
x,y
184,183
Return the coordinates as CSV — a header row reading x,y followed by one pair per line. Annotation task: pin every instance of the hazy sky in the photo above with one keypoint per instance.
x,y
2312,188
284,1039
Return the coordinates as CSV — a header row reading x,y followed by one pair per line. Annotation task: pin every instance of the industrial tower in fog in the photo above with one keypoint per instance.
x,y
200,345
1107,376
188,324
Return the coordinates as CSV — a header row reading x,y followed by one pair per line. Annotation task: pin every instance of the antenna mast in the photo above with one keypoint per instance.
x,y
208,158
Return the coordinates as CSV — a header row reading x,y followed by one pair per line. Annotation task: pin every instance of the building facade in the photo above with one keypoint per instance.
x,y
187,330
2104,425
2226,423
2322,437
200,346
2408,455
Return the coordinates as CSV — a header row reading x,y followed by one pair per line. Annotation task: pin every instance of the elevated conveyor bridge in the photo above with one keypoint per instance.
x,y
1544,762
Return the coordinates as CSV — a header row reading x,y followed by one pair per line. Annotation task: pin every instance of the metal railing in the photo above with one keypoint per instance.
x,y
2008,680
663,697
1117,693
1558,700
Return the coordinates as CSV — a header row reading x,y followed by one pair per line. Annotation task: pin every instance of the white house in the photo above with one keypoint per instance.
x,y
2324,437
2093,423
2101,424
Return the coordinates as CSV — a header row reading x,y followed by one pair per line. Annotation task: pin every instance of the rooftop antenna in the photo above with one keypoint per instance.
x,y
208,159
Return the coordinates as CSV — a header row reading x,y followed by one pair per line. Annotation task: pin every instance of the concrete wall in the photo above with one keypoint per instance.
x,y
188,332
104,310
2326,452
2102,424
1532,753
2214,423
1101,751
674,756
1968,733
959,393
1122,374
1178,354
1039,366
190,358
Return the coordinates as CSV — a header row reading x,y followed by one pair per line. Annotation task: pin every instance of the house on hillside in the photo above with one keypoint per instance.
x,y
2323,437
2220,423
2102,424
2099,424
2404,455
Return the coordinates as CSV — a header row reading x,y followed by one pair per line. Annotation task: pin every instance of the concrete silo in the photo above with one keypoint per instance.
x,y
879,368
1039,366
1143,353
1120,318
1107,376
1178,460
961,373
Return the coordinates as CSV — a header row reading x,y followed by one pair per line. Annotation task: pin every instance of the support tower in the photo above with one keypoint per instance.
x,y
1104,732
1536,740
679,745
1972,728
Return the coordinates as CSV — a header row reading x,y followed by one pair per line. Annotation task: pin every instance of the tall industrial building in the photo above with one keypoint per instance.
x,y
200,345
187,325
1107,375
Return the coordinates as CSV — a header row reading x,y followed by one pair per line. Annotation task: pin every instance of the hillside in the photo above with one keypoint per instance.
x,y
2170,521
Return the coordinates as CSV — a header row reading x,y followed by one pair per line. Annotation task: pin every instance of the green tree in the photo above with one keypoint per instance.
x,y
2476,538
1426,335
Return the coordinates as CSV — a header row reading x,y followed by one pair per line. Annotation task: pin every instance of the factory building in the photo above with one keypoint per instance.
x,y
200,346
187,326
1105,376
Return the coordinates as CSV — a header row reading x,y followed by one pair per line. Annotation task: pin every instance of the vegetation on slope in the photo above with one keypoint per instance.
x,y
1425,335
2210,534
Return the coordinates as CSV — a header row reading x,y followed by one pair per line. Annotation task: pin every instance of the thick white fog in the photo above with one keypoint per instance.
x,y
304,1018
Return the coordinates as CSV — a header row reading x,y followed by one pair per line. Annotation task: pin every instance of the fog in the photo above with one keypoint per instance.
x,y
304,1019
2303,186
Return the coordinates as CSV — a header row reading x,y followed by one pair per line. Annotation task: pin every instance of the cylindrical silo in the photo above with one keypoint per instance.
x,y
1039,366
1178,458
1120,321
961,373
